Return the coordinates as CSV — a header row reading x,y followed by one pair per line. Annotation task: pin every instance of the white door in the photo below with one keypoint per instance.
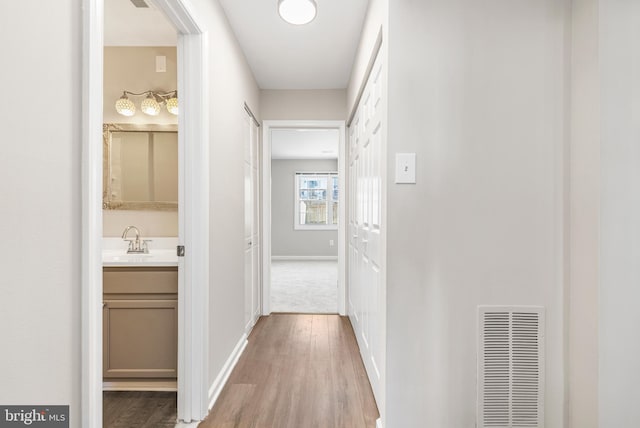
x,y
366,281
251,222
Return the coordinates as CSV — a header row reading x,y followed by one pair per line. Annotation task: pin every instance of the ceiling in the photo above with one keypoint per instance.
x,y
304,143
127,25
318,55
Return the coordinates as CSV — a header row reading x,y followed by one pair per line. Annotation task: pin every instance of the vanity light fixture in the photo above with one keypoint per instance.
x,y
297,12
125,106
151,105
172,104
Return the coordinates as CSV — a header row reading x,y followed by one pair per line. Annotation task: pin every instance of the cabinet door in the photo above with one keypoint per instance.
x,y
140,338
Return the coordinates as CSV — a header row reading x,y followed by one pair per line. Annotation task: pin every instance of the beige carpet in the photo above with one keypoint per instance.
x,y
304,286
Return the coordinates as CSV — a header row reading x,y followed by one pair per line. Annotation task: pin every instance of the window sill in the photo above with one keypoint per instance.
x,y
315,227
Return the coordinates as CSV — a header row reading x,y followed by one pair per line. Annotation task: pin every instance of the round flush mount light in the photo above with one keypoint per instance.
x,y
297,12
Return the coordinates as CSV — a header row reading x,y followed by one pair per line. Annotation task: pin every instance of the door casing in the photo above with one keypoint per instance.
x,y
267,126
193,210
252,222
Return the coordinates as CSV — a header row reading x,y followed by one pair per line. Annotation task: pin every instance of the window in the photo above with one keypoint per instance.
x,y
316,204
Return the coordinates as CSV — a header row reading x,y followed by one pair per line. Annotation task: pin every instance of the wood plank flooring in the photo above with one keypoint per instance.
x,y
139,409
297,371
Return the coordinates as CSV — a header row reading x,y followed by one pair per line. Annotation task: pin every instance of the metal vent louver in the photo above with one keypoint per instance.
x,y
139,3
511,367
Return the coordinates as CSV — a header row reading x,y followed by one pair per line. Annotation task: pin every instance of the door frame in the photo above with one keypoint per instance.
x,y
193,139
267,127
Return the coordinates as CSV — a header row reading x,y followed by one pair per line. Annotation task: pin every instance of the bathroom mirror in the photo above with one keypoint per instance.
x,y
140,167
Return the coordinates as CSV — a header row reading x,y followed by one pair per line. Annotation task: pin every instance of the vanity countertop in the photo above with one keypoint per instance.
x,y
154,258
162,252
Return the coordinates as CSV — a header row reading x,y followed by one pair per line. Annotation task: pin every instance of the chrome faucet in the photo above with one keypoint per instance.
x,y
136,246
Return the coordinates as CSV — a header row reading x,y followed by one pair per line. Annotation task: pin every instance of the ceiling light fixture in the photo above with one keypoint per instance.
x,y
151,105
297,12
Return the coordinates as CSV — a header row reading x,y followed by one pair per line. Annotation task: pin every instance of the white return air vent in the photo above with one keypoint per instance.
x,y
511,367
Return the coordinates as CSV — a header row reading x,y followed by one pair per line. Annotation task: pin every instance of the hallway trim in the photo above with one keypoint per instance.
x,y
223,376
329,258
91,270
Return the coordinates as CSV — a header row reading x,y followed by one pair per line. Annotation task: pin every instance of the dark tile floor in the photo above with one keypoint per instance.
x,y
139,409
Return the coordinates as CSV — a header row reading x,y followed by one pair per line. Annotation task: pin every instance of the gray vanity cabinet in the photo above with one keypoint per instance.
x,y
140,322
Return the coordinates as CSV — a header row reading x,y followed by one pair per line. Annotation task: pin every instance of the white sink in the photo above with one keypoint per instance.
x,y
153,258
128,257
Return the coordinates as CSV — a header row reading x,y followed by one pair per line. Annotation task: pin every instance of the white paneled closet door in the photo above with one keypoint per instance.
x,y
251,225
367,297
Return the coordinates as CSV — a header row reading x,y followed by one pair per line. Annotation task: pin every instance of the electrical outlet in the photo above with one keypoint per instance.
x,y
331,242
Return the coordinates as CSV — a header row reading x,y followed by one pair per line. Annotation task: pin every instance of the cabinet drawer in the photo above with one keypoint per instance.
x,y
140,280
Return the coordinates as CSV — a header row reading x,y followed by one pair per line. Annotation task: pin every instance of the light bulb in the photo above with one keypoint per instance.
x,y
172,104
150,106
125,106
297,12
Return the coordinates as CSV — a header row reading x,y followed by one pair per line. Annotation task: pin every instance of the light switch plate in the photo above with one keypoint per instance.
x,y
405,168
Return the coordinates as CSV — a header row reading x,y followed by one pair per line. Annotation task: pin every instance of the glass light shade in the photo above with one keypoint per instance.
x,y
297,12
125,106
172,105
150,106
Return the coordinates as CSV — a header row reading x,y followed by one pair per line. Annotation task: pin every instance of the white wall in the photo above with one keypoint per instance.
x,y
619,291
150,223
40,211
133,68
315,104
231,84
584,217
477,90
285,240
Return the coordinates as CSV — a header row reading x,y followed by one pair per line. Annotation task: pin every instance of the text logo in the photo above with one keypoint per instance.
x,y
34,416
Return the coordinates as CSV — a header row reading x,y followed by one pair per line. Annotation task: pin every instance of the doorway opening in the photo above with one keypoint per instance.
x,y
303,217
140,217
192,228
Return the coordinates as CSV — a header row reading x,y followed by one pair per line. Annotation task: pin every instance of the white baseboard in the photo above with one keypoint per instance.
x,y
379,423
146,385
304,258
223,376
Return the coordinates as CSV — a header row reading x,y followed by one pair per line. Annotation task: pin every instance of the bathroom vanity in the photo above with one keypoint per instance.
x,y
140,318
140,322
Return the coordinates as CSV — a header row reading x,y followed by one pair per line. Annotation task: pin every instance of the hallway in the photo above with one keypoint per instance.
x,y
297,371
